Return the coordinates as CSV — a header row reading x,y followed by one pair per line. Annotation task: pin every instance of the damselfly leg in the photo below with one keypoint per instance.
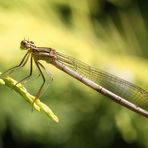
x,y
30,73
20,65
43,78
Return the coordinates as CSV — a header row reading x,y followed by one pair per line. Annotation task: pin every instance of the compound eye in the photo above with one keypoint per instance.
x,y
23,43
31,42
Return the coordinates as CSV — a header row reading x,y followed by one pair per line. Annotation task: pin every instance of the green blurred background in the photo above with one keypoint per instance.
x,y
108,34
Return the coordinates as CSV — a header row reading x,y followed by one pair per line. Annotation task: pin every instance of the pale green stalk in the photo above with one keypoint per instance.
x,y
19,88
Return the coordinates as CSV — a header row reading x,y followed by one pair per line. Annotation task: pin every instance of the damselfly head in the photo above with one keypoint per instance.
x,y
26,44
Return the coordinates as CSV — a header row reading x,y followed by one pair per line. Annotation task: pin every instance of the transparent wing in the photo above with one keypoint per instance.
x,y
119,86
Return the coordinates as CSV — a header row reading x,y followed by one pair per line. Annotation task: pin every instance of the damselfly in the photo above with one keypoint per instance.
x,y
117,89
